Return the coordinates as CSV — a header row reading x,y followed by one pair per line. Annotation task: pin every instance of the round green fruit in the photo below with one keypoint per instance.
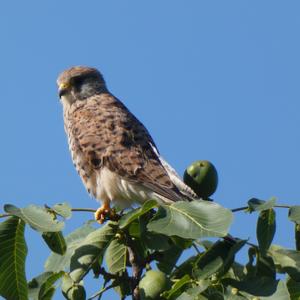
x,y
153,284
76,293
202,177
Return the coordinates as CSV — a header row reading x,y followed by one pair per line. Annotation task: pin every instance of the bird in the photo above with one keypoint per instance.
x,y
112,151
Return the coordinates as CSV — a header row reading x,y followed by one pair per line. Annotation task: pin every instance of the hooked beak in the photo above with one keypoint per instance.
x,y
63,89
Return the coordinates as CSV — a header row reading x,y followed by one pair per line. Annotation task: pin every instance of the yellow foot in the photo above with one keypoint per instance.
x,y
102,213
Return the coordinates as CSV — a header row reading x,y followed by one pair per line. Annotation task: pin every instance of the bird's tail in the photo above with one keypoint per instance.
x,y
184,189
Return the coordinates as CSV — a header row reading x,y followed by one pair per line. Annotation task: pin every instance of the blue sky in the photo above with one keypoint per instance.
x,y
216,80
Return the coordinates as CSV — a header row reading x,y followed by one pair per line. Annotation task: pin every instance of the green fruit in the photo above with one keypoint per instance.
x,y
76,293
153,284
202,177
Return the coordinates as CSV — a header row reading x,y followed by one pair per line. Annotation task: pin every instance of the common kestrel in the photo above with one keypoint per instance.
x,y
111,149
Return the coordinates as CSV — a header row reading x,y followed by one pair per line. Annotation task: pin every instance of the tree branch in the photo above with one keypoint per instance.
x,y
137,268
240,208
84,209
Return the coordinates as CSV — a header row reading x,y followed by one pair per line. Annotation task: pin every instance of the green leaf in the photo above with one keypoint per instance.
x,y
201,286
294,214
96,267
286,260
259,205
37,217
123,289
186,296
55,241
116,256
265,230
48,285
136,213
155,241
34,285
233,294
63,209
192,220
206,244
141,251
41,286
152,240
265,267
177,288
234,249
211,267
169,259
194,293
237,271
182,243
265,288
186,268
50,293
218,259
251,269
293,288
72,290
91,250
297,236
134,229
123,286
66,285
13,252
215,295
56,262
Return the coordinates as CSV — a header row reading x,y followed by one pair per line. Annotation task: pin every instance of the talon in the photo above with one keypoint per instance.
x,y
102,213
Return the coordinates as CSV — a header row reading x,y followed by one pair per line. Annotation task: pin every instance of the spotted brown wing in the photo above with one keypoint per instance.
x,y
109,135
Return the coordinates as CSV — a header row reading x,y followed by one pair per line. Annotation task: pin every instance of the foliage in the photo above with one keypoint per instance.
x,y
122,253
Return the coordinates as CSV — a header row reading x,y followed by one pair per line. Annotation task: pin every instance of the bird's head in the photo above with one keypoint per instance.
x,y
79,83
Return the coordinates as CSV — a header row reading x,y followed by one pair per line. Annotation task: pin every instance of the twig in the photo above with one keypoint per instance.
x,y
4,215
84,209
196,248
73,209
252,245
240,208
103,290
283,206
247,207
106,275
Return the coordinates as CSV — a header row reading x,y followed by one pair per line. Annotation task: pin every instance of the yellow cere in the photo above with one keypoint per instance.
x,y
64,85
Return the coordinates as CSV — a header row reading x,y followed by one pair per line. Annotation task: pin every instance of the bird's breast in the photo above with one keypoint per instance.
x,y
113,187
